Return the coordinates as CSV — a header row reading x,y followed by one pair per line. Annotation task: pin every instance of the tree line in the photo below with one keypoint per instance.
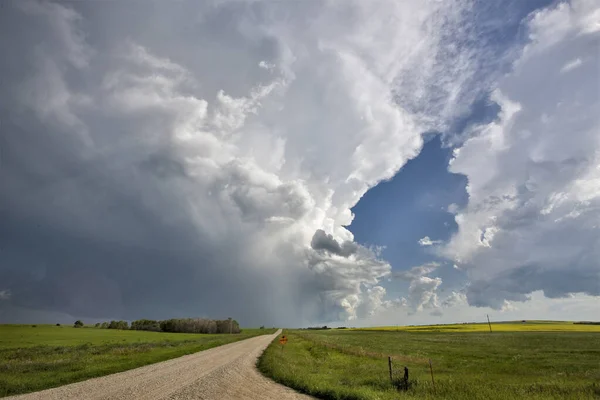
x,y
179,325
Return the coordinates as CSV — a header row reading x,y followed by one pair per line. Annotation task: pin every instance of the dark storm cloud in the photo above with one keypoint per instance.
x,y
104,214
83,242
324,241
101,233
517,284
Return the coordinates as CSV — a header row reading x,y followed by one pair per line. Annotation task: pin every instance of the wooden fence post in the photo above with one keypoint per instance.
x,y
390,367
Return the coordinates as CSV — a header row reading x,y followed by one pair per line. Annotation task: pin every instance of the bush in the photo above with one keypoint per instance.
x,y
57,324
78,324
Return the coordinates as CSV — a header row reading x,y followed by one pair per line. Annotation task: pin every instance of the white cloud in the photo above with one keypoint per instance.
x,y
534,195
342,271
422,291
452,208
5,294
415,272
456,298
268,66
426,241
508,306
375,301
571,65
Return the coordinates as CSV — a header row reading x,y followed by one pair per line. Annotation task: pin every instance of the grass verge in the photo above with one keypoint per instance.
x,y
43,357
352,365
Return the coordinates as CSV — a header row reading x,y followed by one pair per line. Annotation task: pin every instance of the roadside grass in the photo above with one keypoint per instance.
x,y
350,364
46,356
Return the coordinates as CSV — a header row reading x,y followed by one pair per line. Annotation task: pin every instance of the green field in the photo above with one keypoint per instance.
x,y
35,358
516,361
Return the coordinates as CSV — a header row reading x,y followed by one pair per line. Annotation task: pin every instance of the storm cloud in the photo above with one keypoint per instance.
x,y
202,159
180,159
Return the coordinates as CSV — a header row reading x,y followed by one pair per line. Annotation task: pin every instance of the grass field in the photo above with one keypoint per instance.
x,y
46,356
521,361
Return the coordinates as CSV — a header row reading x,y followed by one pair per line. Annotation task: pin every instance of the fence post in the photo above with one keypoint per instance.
x,y
390,367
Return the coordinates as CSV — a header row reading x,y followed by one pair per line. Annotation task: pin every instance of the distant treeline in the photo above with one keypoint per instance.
x,y
180,325
318,328
586,323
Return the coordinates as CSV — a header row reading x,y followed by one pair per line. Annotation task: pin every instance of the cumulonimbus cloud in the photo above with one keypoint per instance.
x,y
207,159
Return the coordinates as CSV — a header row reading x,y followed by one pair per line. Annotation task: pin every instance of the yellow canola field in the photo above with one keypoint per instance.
x,y
528,326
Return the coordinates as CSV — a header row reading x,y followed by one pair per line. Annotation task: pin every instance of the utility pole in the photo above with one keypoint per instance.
x,y
490,325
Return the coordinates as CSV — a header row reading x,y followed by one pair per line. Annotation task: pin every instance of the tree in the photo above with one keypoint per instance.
x,y
78,324
145,325
118,325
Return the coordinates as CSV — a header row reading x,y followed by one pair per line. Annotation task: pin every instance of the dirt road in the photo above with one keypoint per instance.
x,y
225,372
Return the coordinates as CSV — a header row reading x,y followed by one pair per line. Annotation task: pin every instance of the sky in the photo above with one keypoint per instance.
x,y
293,163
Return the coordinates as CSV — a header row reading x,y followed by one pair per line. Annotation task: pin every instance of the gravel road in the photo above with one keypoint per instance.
x,y
224,372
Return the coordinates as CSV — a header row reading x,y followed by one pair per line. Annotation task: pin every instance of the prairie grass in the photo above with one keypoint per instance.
x,y
519,364
45,356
